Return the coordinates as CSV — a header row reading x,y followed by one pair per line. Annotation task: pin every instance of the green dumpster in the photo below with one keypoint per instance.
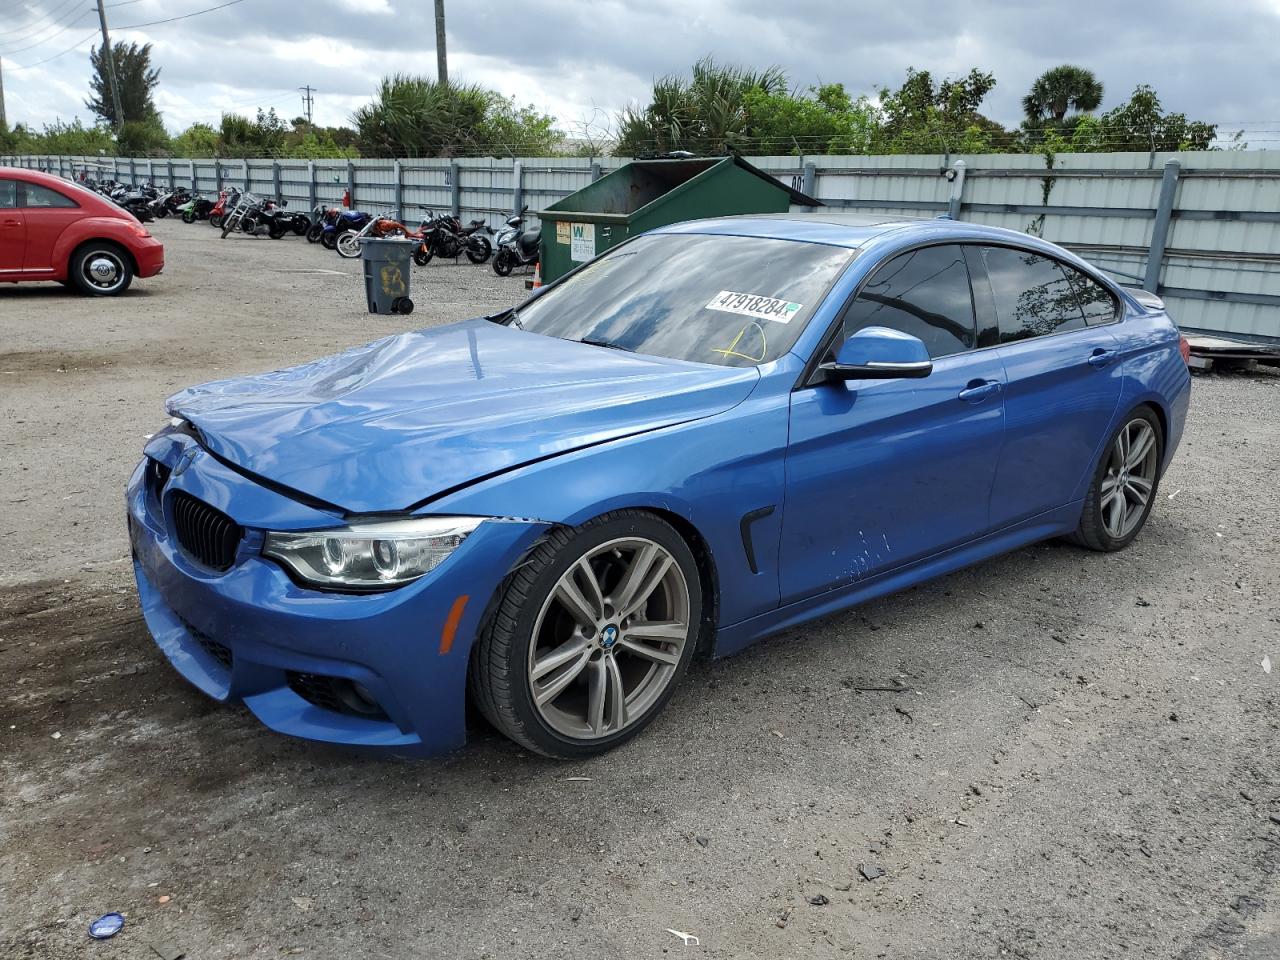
x,y
645,194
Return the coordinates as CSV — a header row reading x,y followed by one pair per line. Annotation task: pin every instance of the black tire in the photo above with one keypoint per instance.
x,y
329,240
215,221
482,254
503,263
499,677
1092,531
277,231
402,305
87,280
422,256
313,232
189,217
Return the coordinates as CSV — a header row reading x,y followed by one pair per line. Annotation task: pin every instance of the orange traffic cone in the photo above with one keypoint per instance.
x,y
536,282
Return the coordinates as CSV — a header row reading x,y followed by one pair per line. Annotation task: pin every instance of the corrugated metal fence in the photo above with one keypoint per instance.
x,y
1202,229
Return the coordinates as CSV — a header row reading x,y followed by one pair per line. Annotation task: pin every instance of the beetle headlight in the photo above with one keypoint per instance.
x,y
370,556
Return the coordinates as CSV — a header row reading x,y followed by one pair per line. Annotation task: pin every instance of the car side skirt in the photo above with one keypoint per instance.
x,y
738,636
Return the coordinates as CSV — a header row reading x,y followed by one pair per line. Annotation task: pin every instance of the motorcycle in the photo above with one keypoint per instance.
x,y
226,201
276,219
517,247
138,201
197,208
320,216
444,236
346,221
348,244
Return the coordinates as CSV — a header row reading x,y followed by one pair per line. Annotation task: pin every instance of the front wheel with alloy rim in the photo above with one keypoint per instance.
x,y
101,270
589,636
1124,484
348,245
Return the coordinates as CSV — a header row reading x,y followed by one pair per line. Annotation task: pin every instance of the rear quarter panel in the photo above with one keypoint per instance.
x,y
93,228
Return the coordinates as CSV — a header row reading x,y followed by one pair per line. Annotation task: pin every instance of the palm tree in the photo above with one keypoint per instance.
x,y
1059,90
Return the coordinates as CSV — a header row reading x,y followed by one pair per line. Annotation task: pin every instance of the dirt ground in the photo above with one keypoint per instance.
x,y
1084,762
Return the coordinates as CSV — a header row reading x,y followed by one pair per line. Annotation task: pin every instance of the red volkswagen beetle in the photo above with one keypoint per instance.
x,y
52,229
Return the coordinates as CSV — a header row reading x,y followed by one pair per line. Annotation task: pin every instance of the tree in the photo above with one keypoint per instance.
x,y
1059,90
198,140
706,115
825,119
926,117
417,117
137,82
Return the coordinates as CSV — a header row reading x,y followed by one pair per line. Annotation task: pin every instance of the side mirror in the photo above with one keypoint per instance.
x,y
879,353
284,203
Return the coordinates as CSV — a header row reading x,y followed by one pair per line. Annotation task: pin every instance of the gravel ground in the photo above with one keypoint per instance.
x,y
1083,763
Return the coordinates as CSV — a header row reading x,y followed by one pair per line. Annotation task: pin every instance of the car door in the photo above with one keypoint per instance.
x,y
883,472
13,230
47,213
1061,359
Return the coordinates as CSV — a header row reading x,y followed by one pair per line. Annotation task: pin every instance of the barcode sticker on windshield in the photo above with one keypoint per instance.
x,y
759,308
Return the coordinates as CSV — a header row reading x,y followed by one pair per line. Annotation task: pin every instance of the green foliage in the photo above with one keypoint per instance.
x,y
417,117
1059,90
706,115
1141,124
924,117
198,140
143,138
59,138
823,120
137,81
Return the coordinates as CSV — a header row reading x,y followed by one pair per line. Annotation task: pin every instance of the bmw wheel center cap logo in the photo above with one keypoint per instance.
x,y
609,636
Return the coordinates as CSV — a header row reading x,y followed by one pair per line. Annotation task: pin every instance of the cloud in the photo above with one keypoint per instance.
x,y
578,59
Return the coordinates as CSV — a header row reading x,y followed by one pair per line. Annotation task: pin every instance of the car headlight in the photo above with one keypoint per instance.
x,y
370,556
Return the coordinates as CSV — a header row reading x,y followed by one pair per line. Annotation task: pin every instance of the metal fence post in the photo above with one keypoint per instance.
x,y
455,187
217,175
957,191
809,182
595,170
399,188
244,164
168,170
275,179
133,172
1160,229
351,183
517,187
195,180
311,183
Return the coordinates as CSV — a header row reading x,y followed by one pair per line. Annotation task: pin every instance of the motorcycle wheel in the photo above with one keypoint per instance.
x,y
189,217
215,221
479,249
422,256
329,240
502,263
162,212
248,225
348,246
314,232
275,233
300,228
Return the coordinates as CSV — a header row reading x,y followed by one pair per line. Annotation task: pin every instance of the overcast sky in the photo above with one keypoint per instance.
x,y
579,60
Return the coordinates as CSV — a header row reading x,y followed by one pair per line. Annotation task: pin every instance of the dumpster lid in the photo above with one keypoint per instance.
x,y
677,173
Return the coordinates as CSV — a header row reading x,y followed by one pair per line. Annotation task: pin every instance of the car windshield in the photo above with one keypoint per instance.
x,y
727,300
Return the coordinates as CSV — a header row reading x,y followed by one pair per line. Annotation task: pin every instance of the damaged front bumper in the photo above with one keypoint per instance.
x,y
382,670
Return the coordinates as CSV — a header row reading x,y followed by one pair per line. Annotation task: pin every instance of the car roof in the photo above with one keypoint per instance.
x,y
851,230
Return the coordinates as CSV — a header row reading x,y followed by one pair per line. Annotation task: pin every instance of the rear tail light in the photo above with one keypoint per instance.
x,y
1184,348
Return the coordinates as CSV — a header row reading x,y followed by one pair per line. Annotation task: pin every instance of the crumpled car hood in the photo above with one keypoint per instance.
x,y
388,425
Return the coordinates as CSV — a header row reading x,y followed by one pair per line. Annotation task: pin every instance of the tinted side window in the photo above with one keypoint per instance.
x,y
1095,300
924,293
1032,294
38,196
8,194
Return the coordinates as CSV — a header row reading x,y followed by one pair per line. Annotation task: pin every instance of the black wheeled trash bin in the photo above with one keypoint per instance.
x,y
386,274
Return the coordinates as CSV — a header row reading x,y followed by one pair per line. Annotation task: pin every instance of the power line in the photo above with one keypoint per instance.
x,y
185,16
52,18
64,27
60,53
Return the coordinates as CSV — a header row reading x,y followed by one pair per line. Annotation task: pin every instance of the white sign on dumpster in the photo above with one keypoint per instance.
x,y
582,242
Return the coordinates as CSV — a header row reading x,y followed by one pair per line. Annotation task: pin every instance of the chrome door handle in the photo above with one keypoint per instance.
x,y
979,390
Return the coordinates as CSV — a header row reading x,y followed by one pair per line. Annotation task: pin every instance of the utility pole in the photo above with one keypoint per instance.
x,y
110,57
307,100
442,59
2,120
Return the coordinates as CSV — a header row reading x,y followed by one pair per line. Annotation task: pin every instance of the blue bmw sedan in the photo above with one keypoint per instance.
x,y
712,432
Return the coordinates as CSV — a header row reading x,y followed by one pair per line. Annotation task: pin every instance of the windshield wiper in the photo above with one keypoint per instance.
x,y
592,341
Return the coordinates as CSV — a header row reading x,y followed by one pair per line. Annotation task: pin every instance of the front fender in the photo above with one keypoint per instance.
x,y
710,472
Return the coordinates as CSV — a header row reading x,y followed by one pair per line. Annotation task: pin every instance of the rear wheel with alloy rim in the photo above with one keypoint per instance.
x,y
590,636
1124,484
101,270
